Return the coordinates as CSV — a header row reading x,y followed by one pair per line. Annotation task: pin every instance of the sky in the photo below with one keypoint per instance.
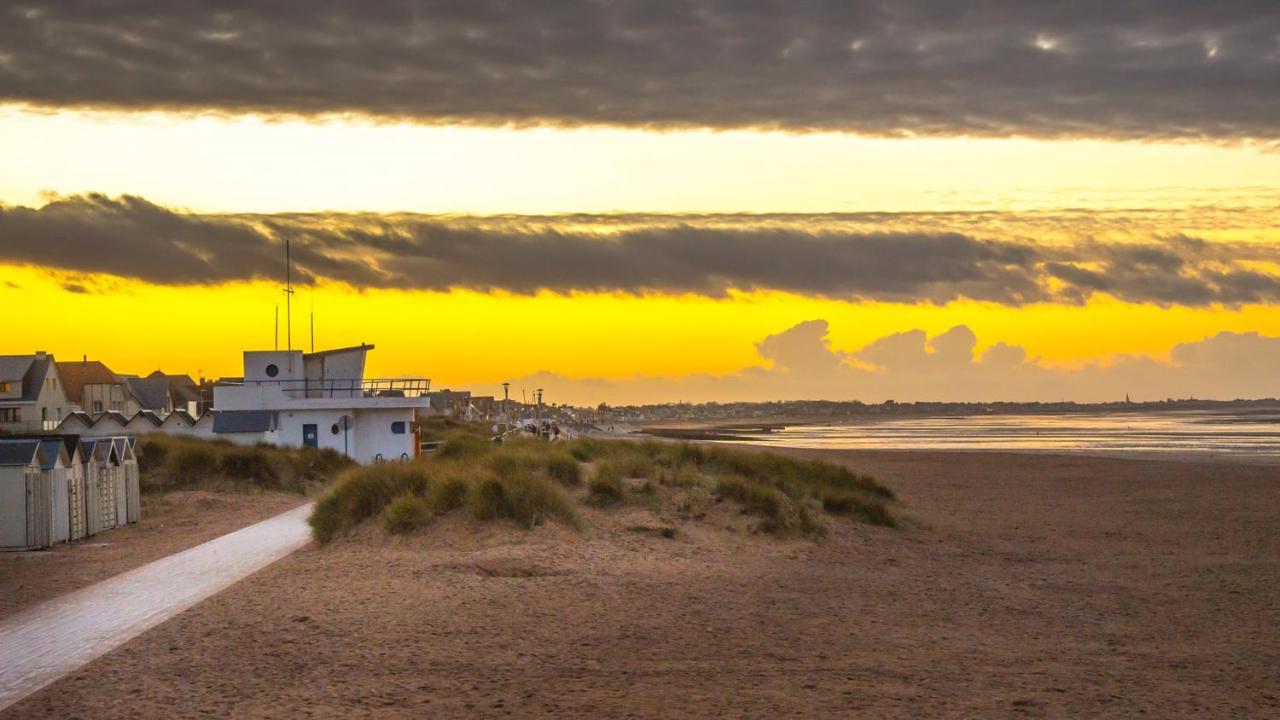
x,y
652,201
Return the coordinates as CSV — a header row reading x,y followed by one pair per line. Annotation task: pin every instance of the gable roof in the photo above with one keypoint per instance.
x,y
152,392
75,375
147,416
178,416
233,421
20,452
14,367
54,451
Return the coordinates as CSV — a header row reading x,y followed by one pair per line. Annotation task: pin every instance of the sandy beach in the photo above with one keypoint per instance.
x,y
1023,586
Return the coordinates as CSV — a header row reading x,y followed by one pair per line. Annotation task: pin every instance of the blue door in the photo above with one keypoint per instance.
x,y
310,436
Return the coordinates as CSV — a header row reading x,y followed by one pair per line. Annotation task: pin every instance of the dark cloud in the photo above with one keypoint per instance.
x,y
1131,68
709,255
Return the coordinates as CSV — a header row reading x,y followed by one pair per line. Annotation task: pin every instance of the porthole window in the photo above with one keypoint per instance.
x,y
397,428
272,370
335,429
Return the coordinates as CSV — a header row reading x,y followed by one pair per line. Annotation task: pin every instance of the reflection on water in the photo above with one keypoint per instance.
x,y
1242,437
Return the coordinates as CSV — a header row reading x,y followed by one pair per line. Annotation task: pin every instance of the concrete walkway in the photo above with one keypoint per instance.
x,y
40,645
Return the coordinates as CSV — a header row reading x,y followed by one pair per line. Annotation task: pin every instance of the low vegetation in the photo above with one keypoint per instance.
x,y
529,482
167,462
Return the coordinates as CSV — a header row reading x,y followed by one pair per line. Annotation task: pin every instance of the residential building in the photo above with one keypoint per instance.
x,y
32,394
94,389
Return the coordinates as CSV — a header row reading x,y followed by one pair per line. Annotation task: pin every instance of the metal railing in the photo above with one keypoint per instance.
x,y
347,387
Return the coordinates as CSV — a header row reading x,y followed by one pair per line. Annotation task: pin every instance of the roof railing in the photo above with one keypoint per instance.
x,y
347,387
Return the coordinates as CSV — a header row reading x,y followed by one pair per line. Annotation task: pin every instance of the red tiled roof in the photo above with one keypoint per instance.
x,y
77,374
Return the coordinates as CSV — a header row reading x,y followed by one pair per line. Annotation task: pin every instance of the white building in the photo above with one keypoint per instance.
x,y
321,399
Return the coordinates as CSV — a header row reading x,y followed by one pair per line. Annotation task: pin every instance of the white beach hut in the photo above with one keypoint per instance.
x,y
25,502
54,467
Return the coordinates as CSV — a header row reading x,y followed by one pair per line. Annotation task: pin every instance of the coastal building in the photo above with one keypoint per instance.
x,y
32,393
321,400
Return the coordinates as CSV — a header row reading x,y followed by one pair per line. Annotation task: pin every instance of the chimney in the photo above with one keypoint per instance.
x,y
39,353
84,360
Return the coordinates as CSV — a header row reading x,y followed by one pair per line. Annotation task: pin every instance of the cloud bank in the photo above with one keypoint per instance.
x,y
707,255
911,366
1105,68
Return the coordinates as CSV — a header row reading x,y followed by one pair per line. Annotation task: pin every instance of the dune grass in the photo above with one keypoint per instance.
x,y
529,482
169,462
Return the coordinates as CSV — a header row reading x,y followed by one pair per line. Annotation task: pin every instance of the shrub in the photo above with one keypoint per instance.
x,y
252,464
446,493
405,514
192,463
531,501
837,502
464,446
781,515
487,499
151,454
606,487
361,493
564,470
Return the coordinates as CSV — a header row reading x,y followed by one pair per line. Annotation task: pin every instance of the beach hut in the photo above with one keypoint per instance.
x,y
100,479
77,528
131,495
144,421
25,503
54,467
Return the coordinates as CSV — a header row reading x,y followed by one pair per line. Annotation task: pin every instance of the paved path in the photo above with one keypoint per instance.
x,y
40,645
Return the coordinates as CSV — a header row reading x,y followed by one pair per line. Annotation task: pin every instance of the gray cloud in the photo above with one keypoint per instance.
x,y
812,255
1127,68
911,366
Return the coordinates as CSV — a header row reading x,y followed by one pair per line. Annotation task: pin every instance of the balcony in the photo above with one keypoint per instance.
x,y
343,388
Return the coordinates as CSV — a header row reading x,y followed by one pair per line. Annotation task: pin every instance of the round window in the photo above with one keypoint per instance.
x,y
334,429
272,370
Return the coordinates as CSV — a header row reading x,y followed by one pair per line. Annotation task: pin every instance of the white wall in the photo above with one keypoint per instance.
x,y
370,433
288,363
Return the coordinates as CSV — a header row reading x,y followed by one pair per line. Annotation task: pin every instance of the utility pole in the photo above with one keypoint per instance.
x,y
506,387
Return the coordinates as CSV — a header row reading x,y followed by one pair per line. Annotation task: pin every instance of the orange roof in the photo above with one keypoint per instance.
x,y
77,374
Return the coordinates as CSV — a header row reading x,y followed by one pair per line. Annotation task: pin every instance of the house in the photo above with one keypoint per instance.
x,y
163,393
151,394
321,400
32,394
94,389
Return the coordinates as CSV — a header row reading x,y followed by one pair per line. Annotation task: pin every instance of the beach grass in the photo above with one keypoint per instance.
x,y
168,462
529,482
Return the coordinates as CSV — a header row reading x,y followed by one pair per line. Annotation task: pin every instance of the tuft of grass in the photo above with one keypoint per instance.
x,y
405,514
606,486
447,493
464,446
361,493
252,464
564,470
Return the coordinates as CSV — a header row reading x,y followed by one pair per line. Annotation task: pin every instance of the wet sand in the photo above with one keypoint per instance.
x,y
1025,586
171,522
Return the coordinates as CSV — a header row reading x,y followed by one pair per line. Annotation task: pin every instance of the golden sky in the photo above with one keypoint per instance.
x,y
1039,190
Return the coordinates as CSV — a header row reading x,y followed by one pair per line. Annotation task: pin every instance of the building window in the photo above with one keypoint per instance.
x,y
272,370
8,415
97,406
5,387
335,429
397,428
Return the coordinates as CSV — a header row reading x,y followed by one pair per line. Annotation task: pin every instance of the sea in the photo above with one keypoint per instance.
x,y
1249,437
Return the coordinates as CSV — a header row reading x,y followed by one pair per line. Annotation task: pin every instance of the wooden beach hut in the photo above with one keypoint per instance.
x,y
25,496
56,463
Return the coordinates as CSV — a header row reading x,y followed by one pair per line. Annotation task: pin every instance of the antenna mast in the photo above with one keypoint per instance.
x,y
288,296
277,337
